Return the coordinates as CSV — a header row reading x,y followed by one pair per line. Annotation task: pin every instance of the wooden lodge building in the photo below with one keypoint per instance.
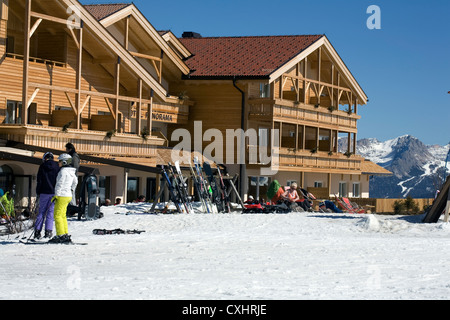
x,y
103,78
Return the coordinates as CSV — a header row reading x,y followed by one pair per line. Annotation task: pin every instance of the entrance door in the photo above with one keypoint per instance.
x,y
132,189
151,189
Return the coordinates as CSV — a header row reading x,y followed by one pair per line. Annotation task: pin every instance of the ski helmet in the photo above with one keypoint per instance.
x,y
48,156
65,159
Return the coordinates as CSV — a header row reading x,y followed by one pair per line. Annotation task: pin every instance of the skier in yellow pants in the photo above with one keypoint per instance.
x,y
66,182
60,215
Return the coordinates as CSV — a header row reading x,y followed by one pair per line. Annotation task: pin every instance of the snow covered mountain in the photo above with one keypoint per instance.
x,y
418,168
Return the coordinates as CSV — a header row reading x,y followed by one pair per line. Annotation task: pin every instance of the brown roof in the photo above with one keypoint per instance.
x,y
257,56
101,11
368,167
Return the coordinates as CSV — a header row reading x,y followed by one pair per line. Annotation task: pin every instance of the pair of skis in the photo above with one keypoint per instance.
x,y
202,188
220,196
178,188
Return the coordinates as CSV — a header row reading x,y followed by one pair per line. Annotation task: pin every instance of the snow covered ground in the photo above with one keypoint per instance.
x,y
234,257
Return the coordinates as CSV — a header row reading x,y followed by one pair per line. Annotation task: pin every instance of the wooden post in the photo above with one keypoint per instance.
x,y
150,113
139,108
349,138
160,67
319,64
305,75
317,138
329,184
26,62
78,79
117,89
304,138
297,81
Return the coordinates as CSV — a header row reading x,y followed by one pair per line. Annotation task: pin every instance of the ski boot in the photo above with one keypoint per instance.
x,y
48,234
37,235
63,239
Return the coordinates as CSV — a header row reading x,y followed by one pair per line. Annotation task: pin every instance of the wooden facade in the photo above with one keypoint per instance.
x,y
313,100
80,78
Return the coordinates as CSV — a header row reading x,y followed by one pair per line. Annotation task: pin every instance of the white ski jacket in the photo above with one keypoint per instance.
x,y
66,182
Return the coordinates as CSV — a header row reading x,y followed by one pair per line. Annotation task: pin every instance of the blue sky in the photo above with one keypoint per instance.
x,y
404,67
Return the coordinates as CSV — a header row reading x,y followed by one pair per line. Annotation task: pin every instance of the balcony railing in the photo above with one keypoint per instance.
x,y
86,141
290,111
291,160
285,159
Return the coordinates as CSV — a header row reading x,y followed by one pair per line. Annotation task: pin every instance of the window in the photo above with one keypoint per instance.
x,y
318,184
343,189
13,112
104,186
10,44
356,190
258,187
264,90
288,136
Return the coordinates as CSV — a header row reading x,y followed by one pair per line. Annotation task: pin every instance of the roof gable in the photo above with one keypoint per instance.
x,y
257,56
110,14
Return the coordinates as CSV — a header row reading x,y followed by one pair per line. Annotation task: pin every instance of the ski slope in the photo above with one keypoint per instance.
x,y
234,257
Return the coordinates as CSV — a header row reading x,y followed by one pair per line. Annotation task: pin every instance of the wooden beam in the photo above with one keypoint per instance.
x,y
53,19
110,108
26,62
145,56
317,82
127,32
30,101
305,75
35,26
139,108
150,113
74,37
85,103
86,92
117,98
71,102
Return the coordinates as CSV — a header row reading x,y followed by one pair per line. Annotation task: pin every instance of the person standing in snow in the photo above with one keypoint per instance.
x,y
66,182
46,181
70,150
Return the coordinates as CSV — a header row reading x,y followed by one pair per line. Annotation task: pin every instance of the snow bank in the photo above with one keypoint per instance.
x,y
233,257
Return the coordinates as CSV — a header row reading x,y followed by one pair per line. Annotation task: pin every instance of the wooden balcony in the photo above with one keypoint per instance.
x,y
321,162
305,161
299,113
86,141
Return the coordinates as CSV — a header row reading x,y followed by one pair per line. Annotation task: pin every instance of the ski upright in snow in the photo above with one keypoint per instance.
x,y
204,187
172,191
216,194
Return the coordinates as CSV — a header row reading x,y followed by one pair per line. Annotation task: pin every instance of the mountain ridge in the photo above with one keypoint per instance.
x,y
418,169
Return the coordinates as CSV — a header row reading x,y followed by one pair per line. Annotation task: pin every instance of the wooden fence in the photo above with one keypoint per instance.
x,y
387,205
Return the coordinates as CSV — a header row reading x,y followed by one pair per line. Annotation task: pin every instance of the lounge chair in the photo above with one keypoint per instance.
x,y
347,206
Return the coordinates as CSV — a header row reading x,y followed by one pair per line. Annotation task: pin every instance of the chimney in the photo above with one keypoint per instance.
x,y
190,34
